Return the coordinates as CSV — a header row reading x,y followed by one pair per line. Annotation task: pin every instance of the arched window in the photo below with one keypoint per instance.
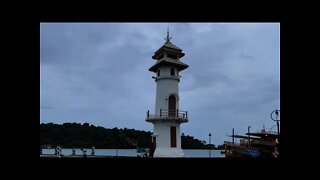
x,y
172,71
158,72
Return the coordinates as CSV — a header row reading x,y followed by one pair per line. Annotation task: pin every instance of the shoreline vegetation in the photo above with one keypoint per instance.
x,y
76,135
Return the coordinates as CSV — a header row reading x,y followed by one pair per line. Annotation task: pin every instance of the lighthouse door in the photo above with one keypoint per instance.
x,y
173,134
172,106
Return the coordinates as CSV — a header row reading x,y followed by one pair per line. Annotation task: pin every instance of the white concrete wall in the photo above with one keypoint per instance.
x,y
166,85
168,152
163,134
163,138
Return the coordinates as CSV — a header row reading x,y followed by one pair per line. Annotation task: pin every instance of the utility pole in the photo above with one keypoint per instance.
x,y
276,112
249,134
209,145
232,135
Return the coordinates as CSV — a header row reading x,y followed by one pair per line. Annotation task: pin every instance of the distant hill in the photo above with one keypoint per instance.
x,y
75,135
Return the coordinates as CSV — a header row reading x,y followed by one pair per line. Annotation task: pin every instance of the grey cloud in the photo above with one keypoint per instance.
x,y
47,107
98,73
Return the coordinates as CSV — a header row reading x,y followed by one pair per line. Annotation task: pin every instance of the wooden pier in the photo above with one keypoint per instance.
x,y
49,156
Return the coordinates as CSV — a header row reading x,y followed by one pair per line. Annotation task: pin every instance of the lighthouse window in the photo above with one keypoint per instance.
x,y
172,72
158,72
172,56
160,57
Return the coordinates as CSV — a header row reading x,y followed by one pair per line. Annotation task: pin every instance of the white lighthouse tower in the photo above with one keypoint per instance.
x,y
167,117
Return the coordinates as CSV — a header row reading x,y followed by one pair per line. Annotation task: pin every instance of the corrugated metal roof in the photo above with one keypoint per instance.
x,y
168,61
170,45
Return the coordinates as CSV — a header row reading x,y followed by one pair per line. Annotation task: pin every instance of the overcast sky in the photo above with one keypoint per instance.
x,y
98,73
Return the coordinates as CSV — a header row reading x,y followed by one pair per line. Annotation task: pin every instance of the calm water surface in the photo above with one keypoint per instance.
x,y
197,153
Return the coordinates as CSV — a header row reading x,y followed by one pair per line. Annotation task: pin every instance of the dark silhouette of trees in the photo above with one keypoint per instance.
x,y
75,135
189,142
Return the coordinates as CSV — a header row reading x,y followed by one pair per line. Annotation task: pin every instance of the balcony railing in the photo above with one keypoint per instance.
x,y
164,113
263,142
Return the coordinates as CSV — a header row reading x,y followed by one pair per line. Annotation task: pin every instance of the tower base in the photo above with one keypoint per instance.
x,y
168,152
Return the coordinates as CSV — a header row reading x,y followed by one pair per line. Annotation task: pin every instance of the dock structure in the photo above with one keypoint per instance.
x,y
52,156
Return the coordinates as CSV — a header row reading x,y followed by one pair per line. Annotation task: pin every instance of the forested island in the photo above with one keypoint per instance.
x,y
76,135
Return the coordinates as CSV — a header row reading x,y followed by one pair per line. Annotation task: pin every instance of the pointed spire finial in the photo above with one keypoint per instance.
x,y
168,38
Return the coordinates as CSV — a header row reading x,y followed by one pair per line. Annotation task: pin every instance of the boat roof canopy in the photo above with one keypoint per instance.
x,y
245,137
263,134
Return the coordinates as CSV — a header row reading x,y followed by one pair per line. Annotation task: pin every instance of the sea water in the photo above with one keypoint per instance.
x,y
192,153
